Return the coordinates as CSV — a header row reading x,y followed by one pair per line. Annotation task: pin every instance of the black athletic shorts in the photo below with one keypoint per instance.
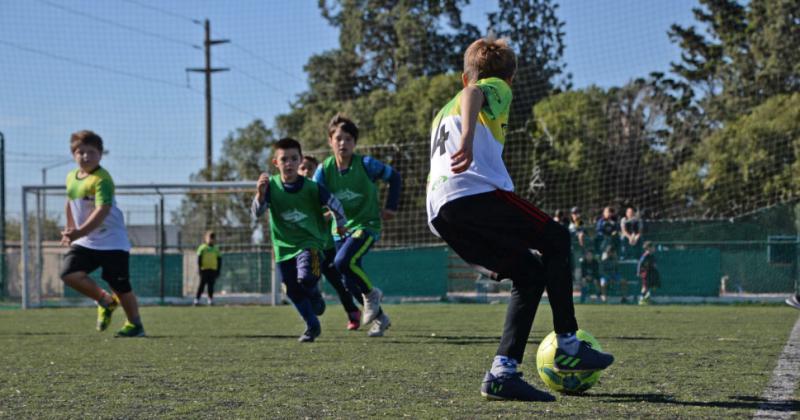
x,y
114,264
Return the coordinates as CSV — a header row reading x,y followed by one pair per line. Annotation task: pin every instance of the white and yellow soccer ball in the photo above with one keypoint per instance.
x,y
566,382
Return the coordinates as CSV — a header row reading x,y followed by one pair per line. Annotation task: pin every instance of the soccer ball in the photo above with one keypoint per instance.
x,y
566,382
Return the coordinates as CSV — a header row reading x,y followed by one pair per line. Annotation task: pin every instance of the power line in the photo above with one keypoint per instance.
x,y
120,72
165,12
118,25
254,78
267,62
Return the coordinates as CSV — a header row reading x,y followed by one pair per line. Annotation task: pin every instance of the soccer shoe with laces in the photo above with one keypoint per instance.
x,y
104,314
130,330
585,359
511,387
353,320
310,334
793,302
372,305
379,327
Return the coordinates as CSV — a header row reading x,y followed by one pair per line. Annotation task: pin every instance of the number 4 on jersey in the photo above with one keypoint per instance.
x,y
441,137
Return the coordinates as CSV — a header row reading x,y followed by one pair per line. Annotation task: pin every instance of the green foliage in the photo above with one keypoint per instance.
x,y
750,53
51,231
604,147
244,156
750,163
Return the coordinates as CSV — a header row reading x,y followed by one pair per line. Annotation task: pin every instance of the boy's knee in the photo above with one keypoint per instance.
x,y
120,285
70,278
341,263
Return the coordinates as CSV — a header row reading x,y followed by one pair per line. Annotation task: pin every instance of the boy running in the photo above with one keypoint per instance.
x,y
96,235
351,178
307,169
298,230
471,206
209,264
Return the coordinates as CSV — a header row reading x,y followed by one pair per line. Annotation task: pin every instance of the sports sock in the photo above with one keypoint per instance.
x,y
568,342
136,321
105,300
503,365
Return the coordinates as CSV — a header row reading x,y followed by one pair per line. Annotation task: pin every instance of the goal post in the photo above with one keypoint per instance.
x,y
162,254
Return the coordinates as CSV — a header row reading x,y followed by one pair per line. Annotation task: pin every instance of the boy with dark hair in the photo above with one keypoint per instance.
x,y
351,178
632,228
96,234
648,273
298,230
471,206
334,277
607,230
209,265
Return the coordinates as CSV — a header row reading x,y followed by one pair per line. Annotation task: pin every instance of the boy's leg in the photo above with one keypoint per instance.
x,y
348,262
78,262
201,286
212,280
309,271
299,298
334,277
116,274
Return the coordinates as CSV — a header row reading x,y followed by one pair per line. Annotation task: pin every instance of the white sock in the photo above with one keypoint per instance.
x,y
568,342
502,366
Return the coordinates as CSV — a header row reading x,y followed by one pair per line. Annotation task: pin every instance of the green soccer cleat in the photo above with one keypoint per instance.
x,y
104,314
130,330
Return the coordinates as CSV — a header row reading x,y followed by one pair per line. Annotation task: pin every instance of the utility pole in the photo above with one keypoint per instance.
x,y
208,70
2,215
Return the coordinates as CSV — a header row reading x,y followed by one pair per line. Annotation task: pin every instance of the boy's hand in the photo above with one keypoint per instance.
x,y
262,185
387,214
462,158
341,230
69,234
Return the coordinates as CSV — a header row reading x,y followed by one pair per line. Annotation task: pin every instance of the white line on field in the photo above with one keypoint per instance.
x,y
779,393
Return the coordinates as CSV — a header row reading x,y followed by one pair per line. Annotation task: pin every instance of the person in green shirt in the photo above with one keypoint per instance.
x,y
209,265
352,178
298,230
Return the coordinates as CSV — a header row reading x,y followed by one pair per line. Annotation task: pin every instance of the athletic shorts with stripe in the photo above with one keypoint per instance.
x,y
498,232
301,274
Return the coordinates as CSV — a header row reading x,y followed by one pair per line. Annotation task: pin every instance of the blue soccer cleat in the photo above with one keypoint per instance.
x,y
586,359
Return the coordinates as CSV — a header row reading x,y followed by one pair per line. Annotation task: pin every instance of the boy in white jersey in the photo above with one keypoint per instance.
x,y
96,235
472,207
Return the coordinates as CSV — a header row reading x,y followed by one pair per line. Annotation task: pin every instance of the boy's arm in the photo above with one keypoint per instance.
x,y
92,222
219,263
471,102
261,200
336,209
379,170
70,226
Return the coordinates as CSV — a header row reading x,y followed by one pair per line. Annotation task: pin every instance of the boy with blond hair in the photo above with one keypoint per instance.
x,y
95,232
471,205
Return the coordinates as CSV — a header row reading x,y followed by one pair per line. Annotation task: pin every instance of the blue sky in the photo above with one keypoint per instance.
x,y
118,67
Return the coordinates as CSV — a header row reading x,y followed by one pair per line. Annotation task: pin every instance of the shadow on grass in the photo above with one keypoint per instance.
x,y
739,402
33,334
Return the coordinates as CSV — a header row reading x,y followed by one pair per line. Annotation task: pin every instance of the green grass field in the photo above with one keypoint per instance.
x,y
244,362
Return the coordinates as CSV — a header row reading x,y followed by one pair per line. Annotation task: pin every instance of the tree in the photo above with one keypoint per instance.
x,y
753,162
747,54
244,156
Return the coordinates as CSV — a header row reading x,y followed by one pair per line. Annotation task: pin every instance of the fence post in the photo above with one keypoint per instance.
x,y
25,252
162,244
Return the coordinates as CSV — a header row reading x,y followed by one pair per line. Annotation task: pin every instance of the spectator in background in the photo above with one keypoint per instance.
x,y
560,216
609,274
632,228
648,273
590,272
607,229
576,228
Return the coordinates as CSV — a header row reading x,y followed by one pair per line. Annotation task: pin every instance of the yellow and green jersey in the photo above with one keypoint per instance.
x,y
84,194
487,171
209,257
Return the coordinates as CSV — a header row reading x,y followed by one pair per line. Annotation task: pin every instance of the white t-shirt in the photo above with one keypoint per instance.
x,y
487,171
84,195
